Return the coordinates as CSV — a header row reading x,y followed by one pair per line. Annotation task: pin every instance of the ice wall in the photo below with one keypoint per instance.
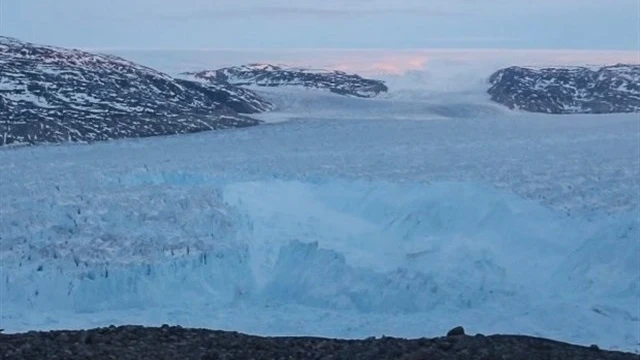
x,y
157,243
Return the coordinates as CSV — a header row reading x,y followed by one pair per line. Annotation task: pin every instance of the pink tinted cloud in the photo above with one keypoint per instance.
x,y
399,62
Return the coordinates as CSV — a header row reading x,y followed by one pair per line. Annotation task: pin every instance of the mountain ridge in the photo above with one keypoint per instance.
x,y
568,89
268,75
53,94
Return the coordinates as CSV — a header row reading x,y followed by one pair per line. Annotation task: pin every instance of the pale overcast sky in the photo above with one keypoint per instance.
x,y
255,24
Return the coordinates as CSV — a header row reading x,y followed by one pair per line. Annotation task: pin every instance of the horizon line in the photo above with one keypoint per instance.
x,y
363,49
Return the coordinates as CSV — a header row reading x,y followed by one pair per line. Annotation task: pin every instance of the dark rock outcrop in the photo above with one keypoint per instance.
x,y
575,90
458,330
50,94
168,342
274,76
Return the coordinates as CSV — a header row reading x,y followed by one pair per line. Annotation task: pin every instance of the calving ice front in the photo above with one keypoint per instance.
x,y
349,258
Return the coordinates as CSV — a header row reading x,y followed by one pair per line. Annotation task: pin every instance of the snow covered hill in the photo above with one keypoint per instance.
x,y
568,90
272,76
50,94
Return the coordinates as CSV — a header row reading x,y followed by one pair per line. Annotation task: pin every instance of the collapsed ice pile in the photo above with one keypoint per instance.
x,y
188,247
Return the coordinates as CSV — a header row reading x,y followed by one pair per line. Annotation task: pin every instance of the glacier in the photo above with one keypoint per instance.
x,y
376,251
393,216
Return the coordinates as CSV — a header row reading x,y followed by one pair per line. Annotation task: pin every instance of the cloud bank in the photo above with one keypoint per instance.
x,y
171,24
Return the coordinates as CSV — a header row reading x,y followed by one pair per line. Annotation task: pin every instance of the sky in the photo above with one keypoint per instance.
x,y
438,68
338,24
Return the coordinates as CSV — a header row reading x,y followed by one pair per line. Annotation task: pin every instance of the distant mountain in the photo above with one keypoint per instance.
x,y
272,76
50,94
562,90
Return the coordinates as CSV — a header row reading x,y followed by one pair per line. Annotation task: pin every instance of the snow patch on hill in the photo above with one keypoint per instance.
x,y
568,90
267,75
50,94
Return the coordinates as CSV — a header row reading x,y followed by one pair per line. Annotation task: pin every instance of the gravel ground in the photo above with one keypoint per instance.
x,y
167,342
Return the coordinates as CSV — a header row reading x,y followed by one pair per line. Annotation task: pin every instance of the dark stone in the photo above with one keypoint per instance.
x,y
445,345
456,331
85,337
211,356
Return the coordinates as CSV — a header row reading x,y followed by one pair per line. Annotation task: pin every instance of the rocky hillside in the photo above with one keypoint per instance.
x,y
50,94
137,342
562,90
273,76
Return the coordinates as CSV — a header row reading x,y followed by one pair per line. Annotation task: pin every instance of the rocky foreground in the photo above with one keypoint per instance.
x,y
166,342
